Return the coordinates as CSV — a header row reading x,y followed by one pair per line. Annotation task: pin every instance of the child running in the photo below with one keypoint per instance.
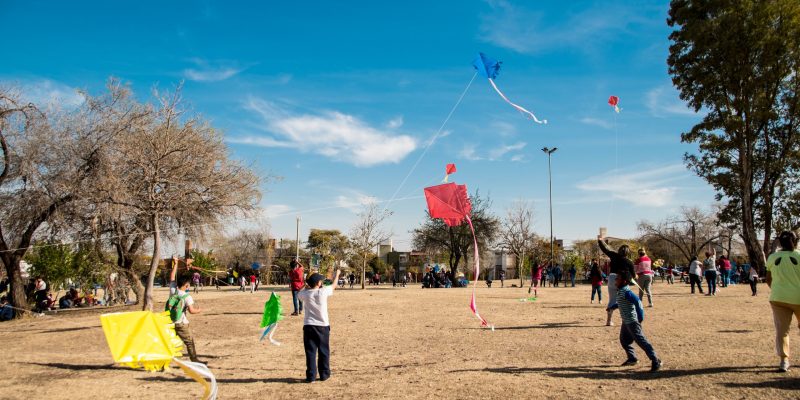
x,y
316,327
632,313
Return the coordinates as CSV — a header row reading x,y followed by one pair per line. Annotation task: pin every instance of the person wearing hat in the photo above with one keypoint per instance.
x,y
316,326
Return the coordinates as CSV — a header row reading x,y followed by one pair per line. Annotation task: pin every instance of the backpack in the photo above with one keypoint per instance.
x,y
176,305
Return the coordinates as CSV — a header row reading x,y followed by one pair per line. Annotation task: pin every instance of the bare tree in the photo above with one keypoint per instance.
x,y
49,162
367,233
175,173
690,231
516,233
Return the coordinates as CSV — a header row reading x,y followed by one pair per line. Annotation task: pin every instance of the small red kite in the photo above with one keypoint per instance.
x,y
613,101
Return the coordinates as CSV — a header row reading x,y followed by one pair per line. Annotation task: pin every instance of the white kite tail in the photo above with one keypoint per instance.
x,y
472,303
200,373
271,328
519,108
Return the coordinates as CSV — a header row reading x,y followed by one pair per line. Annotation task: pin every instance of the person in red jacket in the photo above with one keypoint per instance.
x,y
297,282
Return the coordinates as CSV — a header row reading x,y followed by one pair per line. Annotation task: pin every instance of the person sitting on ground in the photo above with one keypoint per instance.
x,y
70,300
6,311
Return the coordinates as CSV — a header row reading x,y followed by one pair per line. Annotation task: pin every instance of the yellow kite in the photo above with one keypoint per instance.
x,y
143,339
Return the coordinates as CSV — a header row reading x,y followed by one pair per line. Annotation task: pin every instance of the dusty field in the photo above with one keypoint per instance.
x,y
414,343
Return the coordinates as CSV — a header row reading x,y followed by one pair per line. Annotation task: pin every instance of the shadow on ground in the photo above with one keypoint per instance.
x,y
162,378
546,325
606,372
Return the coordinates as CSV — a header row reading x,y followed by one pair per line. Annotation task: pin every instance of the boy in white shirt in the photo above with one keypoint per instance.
x,y
316,327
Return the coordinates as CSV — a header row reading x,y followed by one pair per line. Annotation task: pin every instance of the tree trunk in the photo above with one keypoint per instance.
x,y
16,294
755,252
364,272
125,262
151,276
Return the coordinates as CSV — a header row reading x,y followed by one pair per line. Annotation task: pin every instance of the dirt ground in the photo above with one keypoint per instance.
x,y
410,343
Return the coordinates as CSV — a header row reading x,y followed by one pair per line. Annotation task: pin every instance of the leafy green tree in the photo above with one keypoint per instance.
x,y
738,60
331,245
53,262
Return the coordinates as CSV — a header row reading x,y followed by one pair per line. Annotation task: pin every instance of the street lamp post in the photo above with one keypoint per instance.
x,y
549,153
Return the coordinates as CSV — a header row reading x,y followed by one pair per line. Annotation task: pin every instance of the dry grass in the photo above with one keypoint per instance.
x,y
415,343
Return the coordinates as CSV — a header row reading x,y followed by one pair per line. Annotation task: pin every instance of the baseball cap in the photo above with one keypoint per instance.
x,y
314,279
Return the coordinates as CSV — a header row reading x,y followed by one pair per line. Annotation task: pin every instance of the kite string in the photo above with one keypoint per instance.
x,y
430,143
616,169
207,224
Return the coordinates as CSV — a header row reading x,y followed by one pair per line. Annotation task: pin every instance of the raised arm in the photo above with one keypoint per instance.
x,y
604,248
174,269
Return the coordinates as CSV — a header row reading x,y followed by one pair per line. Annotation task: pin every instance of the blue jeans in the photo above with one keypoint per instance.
x,y
711,278
726,278
599,290
298,304
632,332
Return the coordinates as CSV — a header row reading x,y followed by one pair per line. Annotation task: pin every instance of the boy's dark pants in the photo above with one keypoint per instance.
x,y
316,339
186,335
632,332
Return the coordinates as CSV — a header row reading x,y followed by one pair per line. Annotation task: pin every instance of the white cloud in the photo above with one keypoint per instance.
x,y
205,72
469,152
527,31
663,101
499,152
502,128
332,134
354,201
395,123
46,93
644,187
275,210
597,122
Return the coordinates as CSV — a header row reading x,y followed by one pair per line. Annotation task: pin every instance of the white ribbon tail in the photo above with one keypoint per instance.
x,y
520,109
271,328
200,373
271,340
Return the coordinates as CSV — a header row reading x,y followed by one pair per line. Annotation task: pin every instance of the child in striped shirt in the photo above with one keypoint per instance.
x,y
632,313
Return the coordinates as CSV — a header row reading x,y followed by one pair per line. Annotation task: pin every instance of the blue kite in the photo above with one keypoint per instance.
x,y
489,68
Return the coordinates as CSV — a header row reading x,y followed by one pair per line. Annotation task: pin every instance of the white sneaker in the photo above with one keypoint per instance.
x,y
784,367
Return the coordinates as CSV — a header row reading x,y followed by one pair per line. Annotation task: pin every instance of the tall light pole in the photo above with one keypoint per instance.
x,y
297,242
549,152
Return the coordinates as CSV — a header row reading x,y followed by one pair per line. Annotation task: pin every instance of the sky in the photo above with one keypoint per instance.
x,y
338,104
